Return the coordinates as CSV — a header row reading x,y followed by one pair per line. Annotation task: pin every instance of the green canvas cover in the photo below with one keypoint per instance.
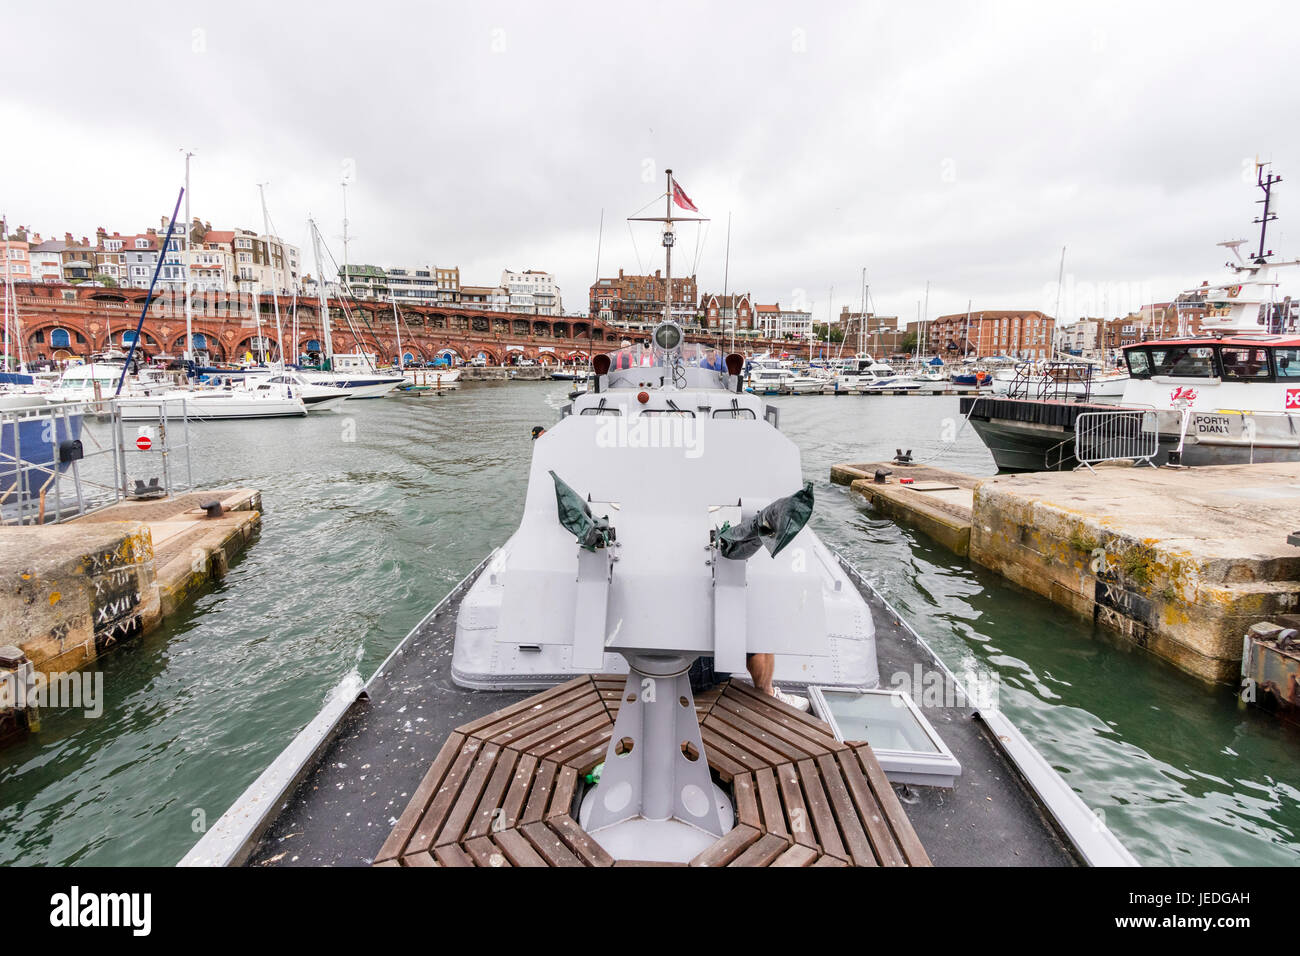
x,y
575,516
773,527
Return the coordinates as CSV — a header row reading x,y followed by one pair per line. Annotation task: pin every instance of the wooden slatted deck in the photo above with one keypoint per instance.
x,y
504,789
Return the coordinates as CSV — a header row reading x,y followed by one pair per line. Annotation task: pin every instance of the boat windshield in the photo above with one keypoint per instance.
x,y
1139,363
1288,362
1244,362
1183,361
693,354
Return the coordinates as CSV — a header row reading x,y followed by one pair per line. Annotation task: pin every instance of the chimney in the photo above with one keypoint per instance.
x,y
67,237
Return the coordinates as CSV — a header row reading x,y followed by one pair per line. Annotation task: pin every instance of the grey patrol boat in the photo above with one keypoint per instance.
x,y
666,521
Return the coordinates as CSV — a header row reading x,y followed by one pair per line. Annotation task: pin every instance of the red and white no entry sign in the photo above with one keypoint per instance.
x,y
144,443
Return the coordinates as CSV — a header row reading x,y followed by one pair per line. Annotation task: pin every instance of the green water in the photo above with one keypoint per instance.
x,y
372,514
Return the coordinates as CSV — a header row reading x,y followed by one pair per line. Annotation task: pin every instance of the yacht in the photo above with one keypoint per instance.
x,y
356,375
288,383
879,377
97,380
803,383
213,404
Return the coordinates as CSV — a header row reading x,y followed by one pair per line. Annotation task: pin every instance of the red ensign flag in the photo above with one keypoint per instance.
x,y
680,197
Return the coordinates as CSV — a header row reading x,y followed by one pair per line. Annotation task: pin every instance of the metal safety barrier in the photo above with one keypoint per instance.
x,y
58,461
1119,435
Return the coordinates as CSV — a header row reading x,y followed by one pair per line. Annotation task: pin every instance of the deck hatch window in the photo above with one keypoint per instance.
x,y
907,746
1245,363
1184,361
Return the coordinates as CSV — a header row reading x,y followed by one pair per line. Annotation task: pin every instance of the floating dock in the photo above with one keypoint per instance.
x,y
75,590
1180,561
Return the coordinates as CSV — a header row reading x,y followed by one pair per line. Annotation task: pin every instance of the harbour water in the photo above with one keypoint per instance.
x,y
372,514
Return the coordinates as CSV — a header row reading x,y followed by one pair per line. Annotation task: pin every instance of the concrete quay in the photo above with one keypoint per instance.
x,y
1178,561
70,592
501,373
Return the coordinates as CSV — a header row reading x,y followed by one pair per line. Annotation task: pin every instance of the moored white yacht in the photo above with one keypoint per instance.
x,y
317,398
879,377
213,404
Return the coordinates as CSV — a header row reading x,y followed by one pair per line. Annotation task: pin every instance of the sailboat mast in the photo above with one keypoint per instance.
x,y
862,319
275,289
346,279
925,318
326,344
397,326
966,337
4,234
185,269
1060,278
726,274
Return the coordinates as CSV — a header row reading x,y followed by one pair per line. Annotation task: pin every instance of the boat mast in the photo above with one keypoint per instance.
x,y
1060,278
4,235
925,318
668,248
966,336
275,289
326,344
346,280
185,270
726,274
397,328
1265,182
862,319
668,219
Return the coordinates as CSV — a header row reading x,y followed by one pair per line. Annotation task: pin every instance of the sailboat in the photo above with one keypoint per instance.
x,y
207,403
356,373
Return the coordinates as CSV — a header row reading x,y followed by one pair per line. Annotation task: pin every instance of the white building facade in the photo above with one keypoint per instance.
x,y
532,292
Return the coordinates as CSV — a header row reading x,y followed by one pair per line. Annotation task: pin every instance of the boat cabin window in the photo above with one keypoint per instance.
x,y
1183,361
602,411
1288,362
746,413
667,413
1139,363
1245,363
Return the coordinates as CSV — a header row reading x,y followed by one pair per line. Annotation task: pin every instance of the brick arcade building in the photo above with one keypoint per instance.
x,y
60,323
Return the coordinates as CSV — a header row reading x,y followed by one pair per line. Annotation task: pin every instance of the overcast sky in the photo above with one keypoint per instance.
x,y
960,144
